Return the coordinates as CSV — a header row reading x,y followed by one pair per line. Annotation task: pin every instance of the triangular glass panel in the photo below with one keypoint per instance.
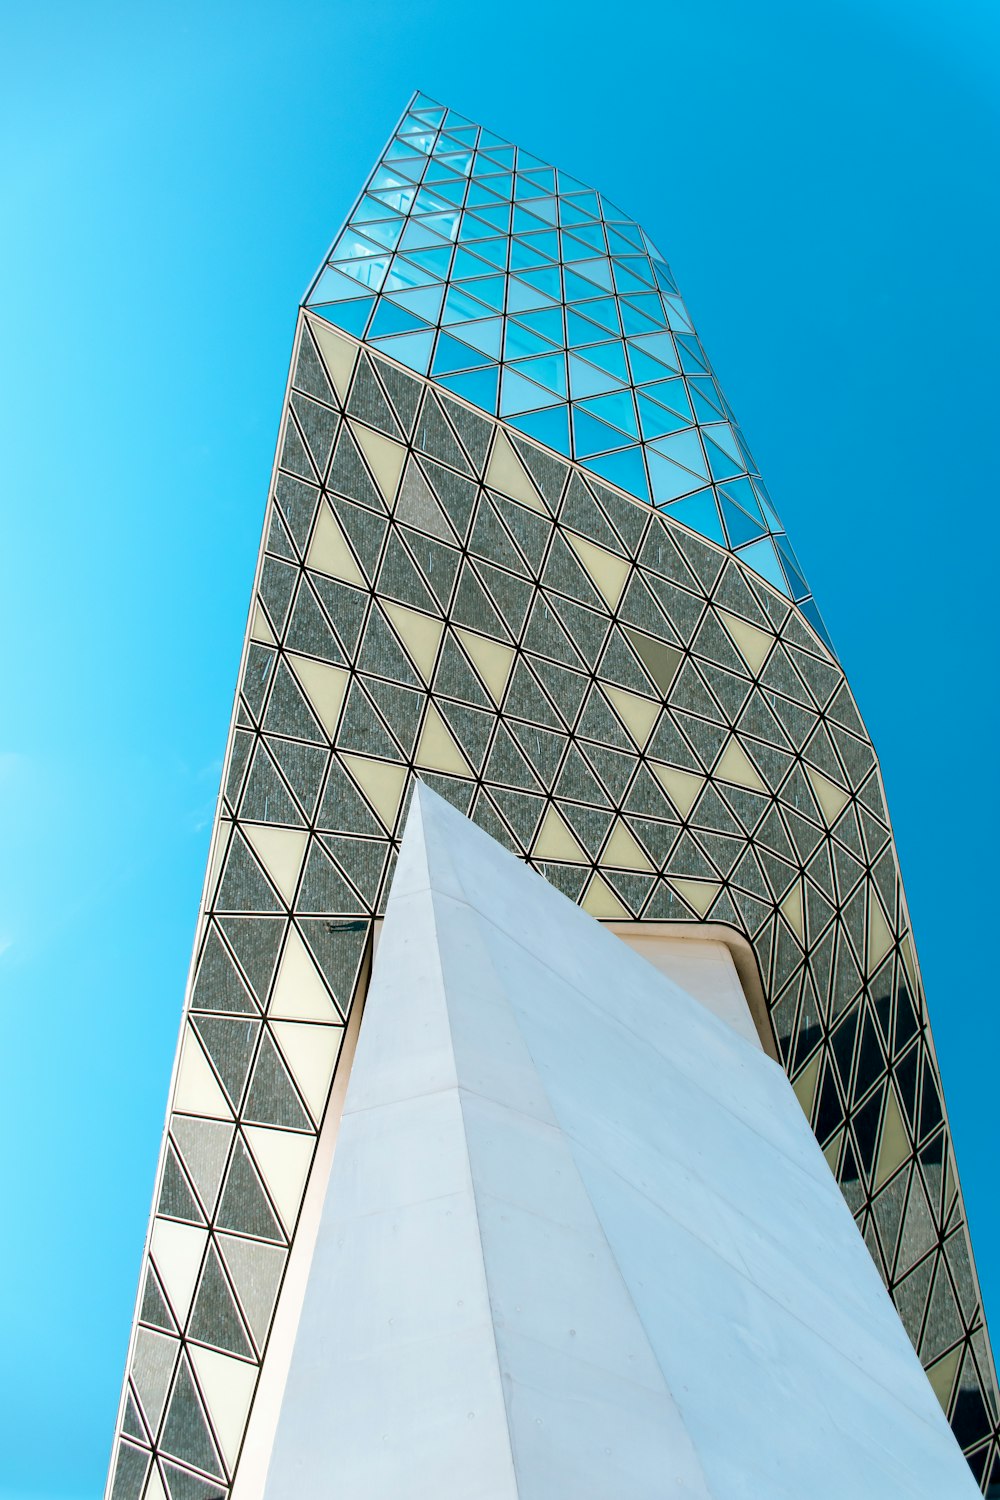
x,y
583,241
498,183
483,334
625,469
424,301
521,297
547,322
683,448
617,243
412,349
677,315
468,266
653,346
525,219
427,202
790,563
518,394
580,331
617,409
700,512
673,394
451,354
390,319
707,400
545,279
404,276
352,317
550,426
421,235
549,370
610,357
743,493
453,189
762,557
435,261
490,211
460,307
591,436
656,420
527,254
720,463
740,527
521,343
692,355
486,289
628,277
477,386
638,321
669,481
385,232
587,380
331,286
587,279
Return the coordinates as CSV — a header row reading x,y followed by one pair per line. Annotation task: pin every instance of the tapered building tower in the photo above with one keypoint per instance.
x,y
516,546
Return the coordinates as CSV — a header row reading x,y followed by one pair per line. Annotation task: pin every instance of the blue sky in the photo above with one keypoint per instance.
x,y
821,179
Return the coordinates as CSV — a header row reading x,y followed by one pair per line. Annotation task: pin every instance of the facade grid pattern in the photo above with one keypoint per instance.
x,y
632,706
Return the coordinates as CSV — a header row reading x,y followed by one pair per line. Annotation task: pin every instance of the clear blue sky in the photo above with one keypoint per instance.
x,y
822,179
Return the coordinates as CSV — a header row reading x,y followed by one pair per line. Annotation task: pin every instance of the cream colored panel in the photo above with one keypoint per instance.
x,y
339,355
910,963
606,570
228,1386
260,630
506,473
805,1085
325,686
280,851
385,458
895,1147
154,1489
703,967
177,1250
832,1151
198,1091
299,993
791,906
310,1052
879,934
382,782
942,1375
682,787
623,850
420,634
491,659
736,766
831,798
601,901
697,893
437,749
639,714
329,553
219,846
283,1157
556,840
752,644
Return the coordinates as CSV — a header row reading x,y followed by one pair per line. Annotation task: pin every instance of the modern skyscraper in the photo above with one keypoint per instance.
x,y
516,545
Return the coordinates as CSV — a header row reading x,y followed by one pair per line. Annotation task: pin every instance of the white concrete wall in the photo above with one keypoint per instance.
x,y
579,1240
703,968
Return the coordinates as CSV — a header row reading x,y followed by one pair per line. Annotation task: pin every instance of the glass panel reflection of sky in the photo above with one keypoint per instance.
x,y
531,296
